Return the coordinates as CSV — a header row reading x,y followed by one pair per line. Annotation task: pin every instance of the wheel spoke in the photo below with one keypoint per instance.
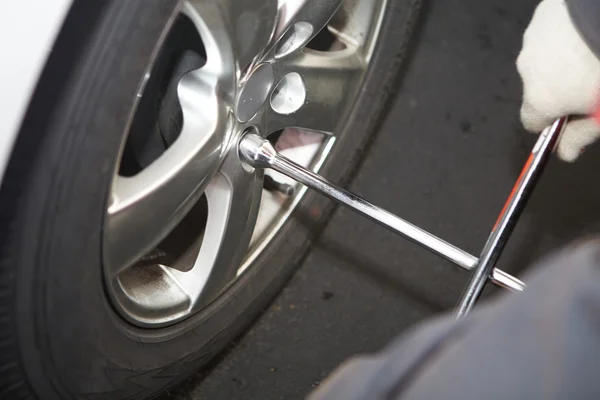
x,y
233,197
144,208
299,21
233,32
328,83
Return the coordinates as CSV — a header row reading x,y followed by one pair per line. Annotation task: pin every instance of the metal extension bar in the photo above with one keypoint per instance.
x,y
259,153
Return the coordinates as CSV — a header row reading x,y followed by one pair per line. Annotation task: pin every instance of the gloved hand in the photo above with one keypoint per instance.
x,y
561,76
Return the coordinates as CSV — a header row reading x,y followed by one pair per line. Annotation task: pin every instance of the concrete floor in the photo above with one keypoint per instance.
x,y
445,160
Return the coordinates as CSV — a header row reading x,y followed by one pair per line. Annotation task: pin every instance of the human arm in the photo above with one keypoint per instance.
x,y
542,343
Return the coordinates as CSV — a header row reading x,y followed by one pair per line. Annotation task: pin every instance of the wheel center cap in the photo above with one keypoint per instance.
x,y
254,93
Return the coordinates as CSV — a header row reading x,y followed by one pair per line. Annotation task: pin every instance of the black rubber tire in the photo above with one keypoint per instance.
x,y
59,337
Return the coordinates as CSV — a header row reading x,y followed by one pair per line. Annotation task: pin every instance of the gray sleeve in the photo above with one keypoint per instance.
x,y
539,344
585,15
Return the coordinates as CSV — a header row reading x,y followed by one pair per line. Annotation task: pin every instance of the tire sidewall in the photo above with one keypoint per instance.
x,y
72,342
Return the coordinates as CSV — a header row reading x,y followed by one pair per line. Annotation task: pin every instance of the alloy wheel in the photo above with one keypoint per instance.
x,y
189,218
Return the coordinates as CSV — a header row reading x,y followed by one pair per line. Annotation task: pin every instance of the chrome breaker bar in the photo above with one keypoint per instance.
x,y
259,153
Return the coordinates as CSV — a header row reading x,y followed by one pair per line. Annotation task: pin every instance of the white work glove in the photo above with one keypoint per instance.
x,y
561,76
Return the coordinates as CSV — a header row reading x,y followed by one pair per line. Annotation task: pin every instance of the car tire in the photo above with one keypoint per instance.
x,y
59,336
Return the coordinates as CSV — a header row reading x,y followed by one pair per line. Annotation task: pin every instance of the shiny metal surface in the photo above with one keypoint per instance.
x,y
255,92
267,235
299,21
289,95
298,35
144,208
356,25
507,220
259,153
258,75
329,88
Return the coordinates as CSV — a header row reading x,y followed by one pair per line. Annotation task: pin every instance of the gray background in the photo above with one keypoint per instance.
x,y
445,160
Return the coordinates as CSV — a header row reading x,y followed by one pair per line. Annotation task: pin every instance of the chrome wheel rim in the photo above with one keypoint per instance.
x,y
258,75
